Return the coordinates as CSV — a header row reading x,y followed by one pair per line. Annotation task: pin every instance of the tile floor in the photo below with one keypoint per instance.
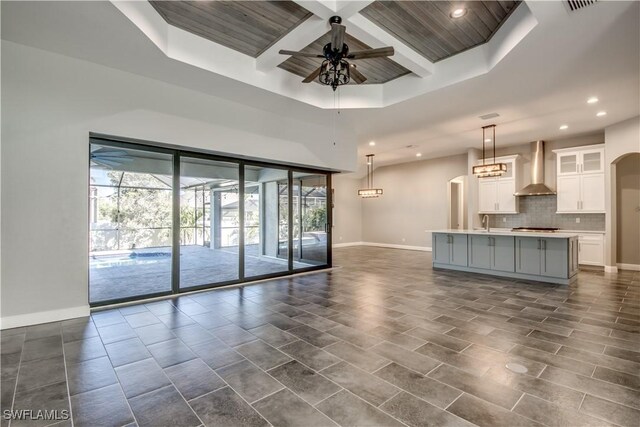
x,y
382,341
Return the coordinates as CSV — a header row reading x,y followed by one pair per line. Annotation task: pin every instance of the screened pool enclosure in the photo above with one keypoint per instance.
x,y
163,221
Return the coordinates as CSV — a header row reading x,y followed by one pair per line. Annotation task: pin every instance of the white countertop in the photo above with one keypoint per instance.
x,y
507,232
582,231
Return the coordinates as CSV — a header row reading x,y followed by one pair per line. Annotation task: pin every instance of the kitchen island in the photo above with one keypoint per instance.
x,y
544,257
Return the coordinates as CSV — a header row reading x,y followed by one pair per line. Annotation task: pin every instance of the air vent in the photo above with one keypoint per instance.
x,y
489,116
579,4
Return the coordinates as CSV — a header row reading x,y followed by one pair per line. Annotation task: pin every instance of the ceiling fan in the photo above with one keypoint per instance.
x,y
109,157
335,69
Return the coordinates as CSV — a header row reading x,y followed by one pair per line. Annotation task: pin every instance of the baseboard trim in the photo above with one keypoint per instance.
x,y
632,267
20,320
406,247
385,245
346,245
610,269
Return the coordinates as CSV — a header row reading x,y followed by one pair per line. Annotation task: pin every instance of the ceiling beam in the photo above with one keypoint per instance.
x,y
368,32
348,8
322,9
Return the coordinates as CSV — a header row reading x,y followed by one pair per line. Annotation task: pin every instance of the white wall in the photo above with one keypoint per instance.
x,y
50,103
347,212
620,139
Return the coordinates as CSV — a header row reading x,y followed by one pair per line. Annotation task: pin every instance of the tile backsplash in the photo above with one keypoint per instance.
x,y
540,211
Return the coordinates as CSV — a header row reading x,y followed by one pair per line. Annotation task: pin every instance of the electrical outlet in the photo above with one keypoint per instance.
x,y
403,239
504,219
577,220
340,238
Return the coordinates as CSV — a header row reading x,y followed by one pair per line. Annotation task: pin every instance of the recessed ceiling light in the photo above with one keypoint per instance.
x,y
372,143
418,154
592,100
458,13
487,140
564,127
601,113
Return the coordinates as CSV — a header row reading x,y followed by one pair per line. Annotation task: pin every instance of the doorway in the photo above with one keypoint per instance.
x,y
457,213
628,212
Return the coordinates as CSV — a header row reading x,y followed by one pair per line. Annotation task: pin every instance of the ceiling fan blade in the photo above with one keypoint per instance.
x,y
337,36
356,75
372,53
311,77
305,54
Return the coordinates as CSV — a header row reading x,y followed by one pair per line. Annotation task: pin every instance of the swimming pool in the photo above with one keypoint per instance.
x,y
128,258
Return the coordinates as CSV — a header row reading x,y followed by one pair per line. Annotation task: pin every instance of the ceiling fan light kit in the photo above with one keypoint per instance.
x,y
335,70
486,170
370,192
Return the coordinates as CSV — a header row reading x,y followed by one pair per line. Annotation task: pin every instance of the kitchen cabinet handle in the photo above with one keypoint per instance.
x,y
578,205
539,246
544,244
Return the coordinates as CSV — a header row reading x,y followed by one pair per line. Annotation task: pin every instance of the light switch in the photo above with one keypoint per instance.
x,y
577,220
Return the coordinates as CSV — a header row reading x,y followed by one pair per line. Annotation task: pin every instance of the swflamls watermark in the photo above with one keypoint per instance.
x,y
36,414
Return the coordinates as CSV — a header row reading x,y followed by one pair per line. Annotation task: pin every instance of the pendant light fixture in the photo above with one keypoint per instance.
x,y
486,170
370,192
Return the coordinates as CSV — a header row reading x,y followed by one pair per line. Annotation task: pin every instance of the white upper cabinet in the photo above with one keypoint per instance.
x,y
580,179
496,194
571,161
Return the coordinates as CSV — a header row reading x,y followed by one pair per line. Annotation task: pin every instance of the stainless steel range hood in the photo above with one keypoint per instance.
x,y
537,187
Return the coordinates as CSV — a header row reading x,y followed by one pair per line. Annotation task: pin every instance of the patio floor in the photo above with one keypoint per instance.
x,y
119,275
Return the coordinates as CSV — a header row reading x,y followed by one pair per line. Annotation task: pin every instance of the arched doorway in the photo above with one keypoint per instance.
x,y
627,211
457,214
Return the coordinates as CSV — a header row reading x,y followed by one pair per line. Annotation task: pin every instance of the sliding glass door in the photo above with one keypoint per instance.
x,y
310,224
130,217
164,221
209,222
265,250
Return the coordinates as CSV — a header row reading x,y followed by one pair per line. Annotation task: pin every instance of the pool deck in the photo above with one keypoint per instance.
x,y
121,276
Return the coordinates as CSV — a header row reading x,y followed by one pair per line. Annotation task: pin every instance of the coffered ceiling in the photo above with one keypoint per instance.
x,y
241,40
427,26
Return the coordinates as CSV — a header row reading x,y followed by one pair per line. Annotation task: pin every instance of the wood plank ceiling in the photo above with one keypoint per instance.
x,y
427,27
376,70
249,27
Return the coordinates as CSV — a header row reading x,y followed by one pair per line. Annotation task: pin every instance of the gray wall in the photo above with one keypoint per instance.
x,y
414,201
540,211
628,209
347,212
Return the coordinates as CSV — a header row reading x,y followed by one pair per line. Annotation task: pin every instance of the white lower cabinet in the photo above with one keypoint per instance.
x,y
591,249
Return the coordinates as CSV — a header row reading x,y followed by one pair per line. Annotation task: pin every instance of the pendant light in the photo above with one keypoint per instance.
x,y
370,192
486,170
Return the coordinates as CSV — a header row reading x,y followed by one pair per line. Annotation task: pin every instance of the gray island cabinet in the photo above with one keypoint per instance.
x,y
545,257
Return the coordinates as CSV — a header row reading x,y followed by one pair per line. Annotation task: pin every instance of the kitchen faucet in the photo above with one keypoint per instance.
x,y
485,221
